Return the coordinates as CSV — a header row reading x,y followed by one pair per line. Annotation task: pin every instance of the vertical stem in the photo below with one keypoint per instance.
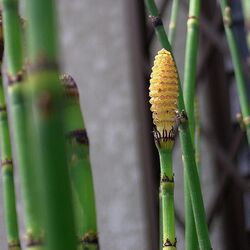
x,y
7,177
186,144
80,166
240,81
13,49
246,9
9,196
189,98
173,21
45,99
167,199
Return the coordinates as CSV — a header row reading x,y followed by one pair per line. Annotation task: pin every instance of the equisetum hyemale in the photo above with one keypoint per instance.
x,y
164,101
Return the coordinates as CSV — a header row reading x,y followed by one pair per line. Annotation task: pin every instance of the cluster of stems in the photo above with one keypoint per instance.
x,y
238,69
17,107
80,167
186,144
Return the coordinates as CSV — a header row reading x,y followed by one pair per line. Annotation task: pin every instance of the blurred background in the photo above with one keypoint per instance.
x,y
108,47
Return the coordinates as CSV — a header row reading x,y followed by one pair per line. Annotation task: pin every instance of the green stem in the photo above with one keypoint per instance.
x,y
80,166
167,199
246,10
7,177
44,94
240,81
173,21
189,98
187,148
13,49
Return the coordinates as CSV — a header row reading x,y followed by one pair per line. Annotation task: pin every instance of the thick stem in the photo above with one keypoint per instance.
x,y
13,49
44,94
167,199
240,80
80,166
187,148
173,21
191,242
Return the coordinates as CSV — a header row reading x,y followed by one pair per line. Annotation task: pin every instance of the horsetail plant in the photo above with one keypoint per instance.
x,y
9,196
164,97
189,88
45,98
14,58
239,75
186,142
173,21
80,166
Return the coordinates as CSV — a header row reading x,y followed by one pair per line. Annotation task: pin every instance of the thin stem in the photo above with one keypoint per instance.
x,y
187,148
246,10
44,94
240,81
9,196
173,21
167,199
80,166
13,50
189,97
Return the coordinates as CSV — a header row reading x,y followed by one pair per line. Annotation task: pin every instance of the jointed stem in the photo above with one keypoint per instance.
x,y
187,148
167,199
240,81
189,98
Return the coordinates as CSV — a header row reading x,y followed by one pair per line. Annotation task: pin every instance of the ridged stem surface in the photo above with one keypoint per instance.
x,y
80,166
187,149
239,75
167,199
45,99
9,197
191,52
14,58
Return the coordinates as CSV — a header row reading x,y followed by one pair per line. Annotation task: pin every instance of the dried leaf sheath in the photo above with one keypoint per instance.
x,y
164,92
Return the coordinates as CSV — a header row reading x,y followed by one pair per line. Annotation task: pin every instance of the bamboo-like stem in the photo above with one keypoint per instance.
x,y
186,144
44,94
191,242
239,75
197,133
13,50
173,21
9,196
79,165
167,199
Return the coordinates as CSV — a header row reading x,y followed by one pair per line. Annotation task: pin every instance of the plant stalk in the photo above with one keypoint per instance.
x,y
186,144
45,99
14,56
239,75
173,21
9,197
80,166
191,242
167,199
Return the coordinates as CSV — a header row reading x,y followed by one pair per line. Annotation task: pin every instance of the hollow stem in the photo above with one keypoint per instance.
x,y
80,166
13,52
191,53
44,94
240,80
167,199
173,21
186,144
